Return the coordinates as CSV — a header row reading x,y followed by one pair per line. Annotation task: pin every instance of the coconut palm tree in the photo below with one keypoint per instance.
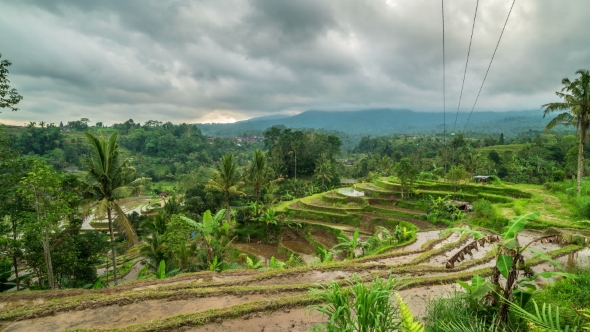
x,y
226,179
108,181
324,170
258,174
576,107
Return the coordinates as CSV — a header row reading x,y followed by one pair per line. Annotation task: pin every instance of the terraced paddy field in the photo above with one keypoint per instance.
x,y
279,299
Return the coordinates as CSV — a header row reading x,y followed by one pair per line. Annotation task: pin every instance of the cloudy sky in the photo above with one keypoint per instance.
x,y
227,60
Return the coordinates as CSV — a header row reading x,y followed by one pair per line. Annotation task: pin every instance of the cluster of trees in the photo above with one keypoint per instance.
x,y
297,153
40,221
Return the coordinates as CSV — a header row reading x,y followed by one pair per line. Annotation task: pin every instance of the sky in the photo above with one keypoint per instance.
x,y
228,60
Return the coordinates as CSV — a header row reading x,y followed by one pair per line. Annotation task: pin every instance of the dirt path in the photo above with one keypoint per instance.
x,y
303,319
119,316
288,319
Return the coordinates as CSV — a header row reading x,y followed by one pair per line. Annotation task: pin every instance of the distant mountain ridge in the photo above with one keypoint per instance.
x,y
377,122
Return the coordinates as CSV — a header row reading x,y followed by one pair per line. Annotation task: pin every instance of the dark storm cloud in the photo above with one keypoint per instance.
x,y
216,60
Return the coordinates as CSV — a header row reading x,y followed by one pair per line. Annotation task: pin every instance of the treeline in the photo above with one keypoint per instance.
x,y
524,159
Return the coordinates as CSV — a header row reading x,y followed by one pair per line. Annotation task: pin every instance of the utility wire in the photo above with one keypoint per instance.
x,y
466,63
490,65
444,88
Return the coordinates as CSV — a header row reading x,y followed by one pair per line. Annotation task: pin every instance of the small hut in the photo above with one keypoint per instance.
x,y
163,195
483,179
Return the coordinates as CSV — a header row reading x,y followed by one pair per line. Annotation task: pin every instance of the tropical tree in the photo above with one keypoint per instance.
x,y
259,174
510,262
576,112
473,161
456,174
226,179
351,245
212,228
324,170
109,179
406,173
42,188
8,97
269,216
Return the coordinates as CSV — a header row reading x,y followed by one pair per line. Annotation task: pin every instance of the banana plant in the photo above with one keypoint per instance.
x,y
509,263
350,246
275,264
216,265
325,255
212,227
252,265
269,217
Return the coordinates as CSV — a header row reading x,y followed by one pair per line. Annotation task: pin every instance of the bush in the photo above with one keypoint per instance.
x,y
569,295
484,209
458,309
582,207
558,175
487,216
360,307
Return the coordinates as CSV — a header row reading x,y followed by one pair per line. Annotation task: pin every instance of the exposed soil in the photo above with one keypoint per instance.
x,y
288,319
117,316
324,238
264,251
308,278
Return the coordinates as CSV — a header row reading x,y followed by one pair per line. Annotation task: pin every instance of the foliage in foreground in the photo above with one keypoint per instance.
x,y
360,306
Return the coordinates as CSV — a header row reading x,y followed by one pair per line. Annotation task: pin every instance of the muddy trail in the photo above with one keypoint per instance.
x,y
250,300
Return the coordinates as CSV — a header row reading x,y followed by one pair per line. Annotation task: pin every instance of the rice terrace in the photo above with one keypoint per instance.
x,y
277,297
311,165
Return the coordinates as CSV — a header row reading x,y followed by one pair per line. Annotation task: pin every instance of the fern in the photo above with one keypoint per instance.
x,y
408,322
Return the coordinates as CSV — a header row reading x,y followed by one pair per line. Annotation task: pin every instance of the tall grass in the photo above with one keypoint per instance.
x,y
570,295
360,307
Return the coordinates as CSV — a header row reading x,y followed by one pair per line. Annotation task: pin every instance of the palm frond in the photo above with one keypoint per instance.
x,y
124,225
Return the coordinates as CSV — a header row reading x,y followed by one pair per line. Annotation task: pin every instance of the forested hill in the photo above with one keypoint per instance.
x,y
388,121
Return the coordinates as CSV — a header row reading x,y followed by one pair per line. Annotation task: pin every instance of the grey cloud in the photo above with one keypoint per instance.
x,y
194,60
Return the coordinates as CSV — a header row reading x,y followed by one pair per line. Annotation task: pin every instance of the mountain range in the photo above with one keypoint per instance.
x,y
376,122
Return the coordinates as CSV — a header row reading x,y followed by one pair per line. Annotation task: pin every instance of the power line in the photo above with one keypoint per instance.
x,y
490,65
466,63
444,88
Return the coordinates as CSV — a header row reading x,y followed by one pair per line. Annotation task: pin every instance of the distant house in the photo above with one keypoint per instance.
x,y
482,178
349,162
163,195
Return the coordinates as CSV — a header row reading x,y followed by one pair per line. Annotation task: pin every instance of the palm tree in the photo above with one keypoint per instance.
x,y
576,107
226,179
108,180
269,217
259,175
323,170
473,163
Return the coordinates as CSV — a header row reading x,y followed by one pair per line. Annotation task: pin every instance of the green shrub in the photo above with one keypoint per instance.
x,y
457,309
582,207
484,209
569,295
360,307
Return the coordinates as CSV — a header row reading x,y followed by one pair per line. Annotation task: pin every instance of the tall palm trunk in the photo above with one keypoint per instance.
x,y
295,164
581,156
113,251
228,211
15,254
47,256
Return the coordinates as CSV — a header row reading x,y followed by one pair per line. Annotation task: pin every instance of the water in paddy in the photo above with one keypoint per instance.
x,y
351,192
